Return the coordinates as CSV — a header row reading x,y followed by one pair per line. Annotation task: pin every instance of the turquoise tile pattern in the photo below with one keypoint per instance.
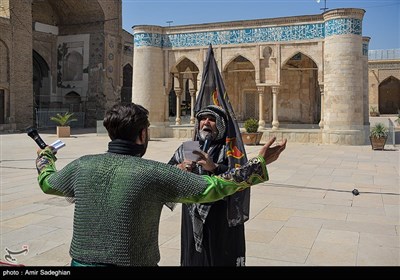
x,y
365,49
251,35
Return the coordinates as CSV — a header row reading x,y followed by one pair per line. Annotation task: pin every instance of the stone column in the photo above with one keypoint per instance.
x,y
148,73
321,90
366,89
21,66
178,92
261,116
166,104
275,122
343,77
366,82
192,103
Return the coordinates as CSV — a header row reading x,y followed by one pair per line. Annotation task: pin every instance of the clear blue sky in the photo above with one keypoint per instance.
x,y
381,20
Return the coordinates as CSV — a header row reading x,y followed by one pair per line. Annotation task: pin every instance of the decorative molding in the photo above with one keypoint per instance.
x,y
344,13
281,21
299,32
384,66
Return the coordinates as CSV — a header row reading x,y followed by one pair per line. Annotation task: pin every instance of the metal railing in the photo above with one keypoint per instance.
x,y
43,118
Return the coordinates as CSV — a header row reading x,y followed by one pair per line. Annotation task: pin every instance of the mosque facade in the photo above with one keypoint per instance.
x,y
307,73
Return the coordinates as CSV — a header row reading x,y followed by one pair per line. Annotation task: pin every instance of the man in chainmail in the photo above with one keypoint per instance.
x,y
119,195
207,239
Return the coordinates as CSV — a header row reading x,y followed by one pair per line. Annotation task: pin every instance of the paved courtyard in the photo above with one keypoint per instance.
x,y
306,215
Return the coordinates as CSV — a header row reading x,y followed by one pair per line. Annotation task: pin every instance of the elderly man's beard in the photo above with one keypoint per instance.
x,y
203,134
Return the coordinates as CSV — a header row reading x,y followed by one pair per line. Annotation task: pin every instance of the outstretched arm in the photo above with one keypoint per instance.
x,y
236,179
45,166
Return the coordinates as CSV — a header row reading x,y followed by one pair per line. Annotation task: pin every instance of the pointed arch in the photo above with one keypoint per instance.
x,y
240,84
238,59
299,85
184,75
4,82
73,100
73,11
185,64
300,56
4,63
389,95
184,68
41,81
126,90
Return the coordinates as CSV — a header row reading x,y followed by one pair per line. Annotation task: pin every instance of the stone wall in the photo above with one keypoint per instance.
x,y
38,27
21,101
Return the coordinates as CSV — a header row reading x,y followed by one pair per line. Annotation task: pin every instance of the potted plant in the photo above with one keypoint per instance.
x,y
374,112
378,135
63,121
252,136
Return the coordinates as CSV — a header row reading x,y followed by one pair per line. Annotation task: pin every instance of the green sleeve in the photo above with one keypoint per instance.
x,y
45,165
227,184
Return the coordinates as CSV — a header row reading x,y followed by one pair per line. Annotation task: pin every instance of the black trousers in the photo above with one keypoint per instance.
x,y
222,245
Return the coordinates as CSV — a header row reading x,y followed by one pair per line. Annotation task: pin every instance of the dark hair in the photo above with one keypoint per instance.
x,y
126,121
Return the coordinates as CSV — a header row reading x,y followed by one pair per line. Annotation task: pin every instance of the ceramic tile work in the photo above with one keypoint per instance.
x,y
342,26
365,49
147,39
251,35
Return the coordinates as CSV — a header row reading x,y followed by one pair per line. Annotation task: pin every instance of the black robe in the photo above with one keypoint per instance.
x,y
221,245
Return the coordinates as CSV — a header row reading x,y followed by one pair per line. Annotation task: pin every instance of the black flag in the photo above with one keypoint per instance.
x,y
212,92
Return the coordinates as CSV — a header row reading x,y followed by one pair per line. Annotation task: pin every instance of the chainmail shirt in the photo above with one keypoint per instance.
x,y
118,201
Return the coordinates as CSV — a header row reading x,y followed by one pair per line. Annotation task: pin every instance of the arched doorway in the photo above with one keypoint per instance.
x,y
299,99
4,82
183,72
41,83
172,99
73,101
239,78
126,91
389,96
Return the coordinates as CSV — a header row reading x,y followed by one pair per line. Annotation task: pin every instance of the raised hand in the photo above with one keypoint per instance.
x,y
270,154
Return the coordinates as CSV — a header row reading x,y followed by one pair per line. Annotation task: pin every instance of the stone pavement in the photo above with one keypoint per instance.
x,y
306,215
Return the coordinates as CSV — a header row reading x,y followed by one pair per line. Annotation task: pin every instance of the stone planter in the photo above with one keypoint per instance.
x,y
63,131
251,138
377,143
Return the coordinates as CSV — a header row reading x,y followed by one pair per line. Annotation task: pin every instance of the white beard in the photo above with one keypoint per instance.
x,y
203,134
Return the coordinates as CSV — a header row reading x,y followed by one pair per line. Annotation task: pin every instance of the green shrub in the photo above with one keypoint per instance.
x,y
379,130
64,120
251,125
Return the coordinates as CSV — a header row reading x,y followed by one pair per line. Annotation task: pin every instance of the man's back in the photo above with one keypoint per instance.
x,y
116,218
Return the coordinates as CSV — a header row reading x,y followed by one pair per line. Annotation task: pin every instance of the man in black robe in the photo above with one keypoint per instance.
x,y
206,237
